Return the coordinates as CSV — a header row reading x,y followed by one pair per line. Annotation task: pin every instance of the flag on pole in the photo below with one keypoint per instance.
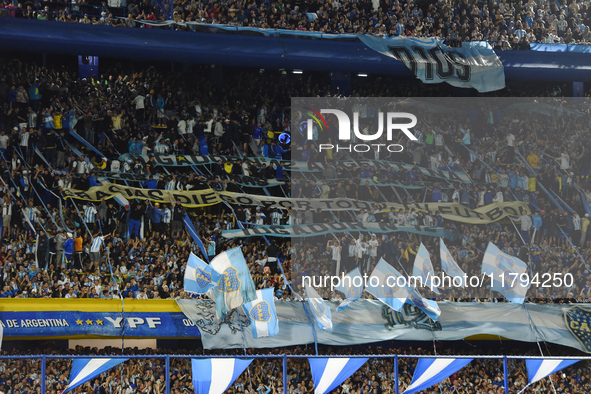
x,y
193,233
215,375
430,371
391,288
319,308
423,268
262,314
351,286
449,265
199,276
329,373
429,307
86,369
235,285
506,271
539,369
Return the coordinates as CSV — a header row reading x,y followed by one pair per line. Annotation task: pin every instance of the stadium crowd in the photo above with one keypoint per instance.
x,y
481,376
506,24
53,247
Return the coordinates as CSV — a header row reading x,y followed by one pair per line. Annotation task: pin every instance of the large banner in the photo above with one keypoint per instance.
x,y
313,230
77,318
367,321
473,65
200,198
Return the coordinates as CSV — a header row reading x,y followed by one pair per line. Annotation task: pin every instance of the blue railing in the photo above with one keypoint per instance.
x,y
284,358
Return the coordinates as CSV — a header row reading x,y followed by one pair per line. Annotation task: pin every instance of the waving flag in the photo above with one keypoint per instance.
x,y
429,307
351,286
215,375
391,288
506,271
85,369
193,233
539,369
423,268
329,373
199,276
449,265
430,371
262,315
319,308
235,286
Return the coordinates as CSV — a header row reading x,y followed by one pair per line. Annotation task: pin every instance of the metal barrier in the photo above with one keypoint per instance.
x,y
284,358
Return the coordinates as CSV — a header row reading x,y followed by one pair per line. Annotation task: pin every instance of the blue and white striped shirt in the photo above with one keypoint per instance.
x,y
89,214
96,244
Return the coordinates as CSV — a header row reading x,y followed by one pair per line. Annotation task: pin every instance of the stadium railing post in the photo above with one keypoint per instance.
x,y
167,367
284,374
505,375
396,382
43,374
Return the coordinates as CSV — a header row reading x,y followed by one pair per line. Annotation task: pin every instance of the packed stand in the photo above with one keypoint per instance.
x,y
505,24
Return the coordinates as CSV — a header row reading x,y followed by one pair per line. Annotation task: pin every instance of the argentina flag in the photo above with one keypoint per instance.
x,y
351,285
538,369
235,286
391,288
199,276
449,265
423,268
506,271
330,373
262,315
319,308
215,375
86,369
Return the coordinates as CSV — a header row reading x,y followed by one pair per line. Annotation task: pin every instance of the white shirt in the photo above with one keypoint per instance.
x,y
3,141
511,140
139,101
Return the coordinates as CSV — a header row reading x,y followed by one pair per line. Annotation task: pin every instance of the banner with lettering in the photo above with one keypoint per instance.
x,y
473,65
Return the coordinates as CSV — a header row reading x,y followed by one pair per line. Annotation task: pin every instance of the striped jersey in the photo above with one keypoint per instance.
x,y
89,214
276,217
97,243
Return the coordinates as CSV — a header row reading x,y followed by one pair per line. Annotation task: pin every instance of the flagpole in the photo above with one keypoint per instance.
x,y
396,378
167,368
284,374
505,375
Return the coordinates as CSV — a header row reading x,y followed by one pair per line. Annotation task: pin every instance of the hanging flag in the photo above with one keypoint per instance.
x,y
85,369
539,369
262,314
319,308
429,307
235,286
430,371
351,286
423,268
215,375
329,373
391,288
193,233
506,271
586,204
199,277
449,265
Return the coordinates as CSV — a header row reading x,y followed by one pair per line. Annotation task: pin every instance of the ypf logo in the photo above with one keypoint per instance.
x,y
388,122
229,281
261,312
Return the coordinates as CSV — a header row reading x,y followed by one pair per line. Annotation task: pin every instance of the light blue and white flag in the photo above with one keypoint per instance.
x,y
423,268
320,309
430,371
429,307
235,285
85,369
193,233
391,288
449,265
473,65
262,315
199,276
506,271
351,286
539,369
329,373
215,375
